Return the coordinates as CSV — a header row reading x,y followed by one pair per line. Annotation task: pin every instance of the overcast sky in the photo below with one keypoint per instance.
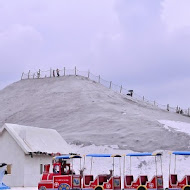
x,y
142,44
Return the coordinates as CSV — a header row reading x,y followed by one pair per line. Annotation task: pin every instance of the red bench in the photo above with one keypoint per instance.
x,y
129,179
174,179
88,179
102,179
144,179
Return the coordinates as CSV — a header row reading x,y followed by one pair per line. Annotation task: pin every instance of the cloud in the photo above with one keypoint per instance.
x,y
68,29
176,14
140,44
150,55
18,45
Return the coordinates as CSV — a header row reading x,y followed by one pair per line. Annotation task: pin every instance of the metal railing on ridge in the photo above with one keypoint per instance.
x,y
108,84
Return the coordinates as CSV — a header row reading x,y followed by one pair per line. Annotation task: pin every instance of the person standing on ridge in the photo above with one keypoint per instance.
x,y
57,72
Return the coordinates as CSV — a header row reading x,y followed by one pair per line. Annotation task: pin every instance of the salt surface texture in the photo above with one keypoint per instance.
x,y
85,112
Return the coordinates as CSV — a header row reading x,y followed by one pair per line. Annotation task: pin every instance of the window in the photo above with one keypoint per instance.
x,y
41,168
9,166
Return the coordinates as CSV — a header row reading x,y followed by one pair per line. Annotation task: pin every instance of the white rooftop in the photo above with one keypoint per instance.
x,y
33,139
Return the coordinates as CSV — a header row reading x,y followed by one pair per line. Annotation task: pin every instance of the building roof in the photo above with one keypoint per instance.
x,y
37,140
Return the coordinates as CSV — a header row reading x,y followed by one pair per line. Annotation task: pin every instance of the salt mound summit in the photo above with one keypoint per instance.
x,y
85,112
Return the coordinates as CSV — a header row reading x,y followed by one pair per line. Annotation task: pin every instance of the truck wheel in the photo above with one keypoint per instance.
x,y
186,187
64,186
99,187
141,187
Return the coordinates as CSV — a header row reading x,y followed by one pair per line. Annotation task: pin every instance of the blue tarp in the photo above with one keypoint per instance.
x,y
2,173
3,186
181,153
144,154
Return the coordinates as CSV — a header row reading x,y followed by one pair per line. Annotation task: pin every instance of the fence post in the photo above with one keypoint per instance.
x,y
75,71
28,74
64,71
121,89
143,98
88,74
50,73
168,107
110,84
177,109
99,79
39,73
22,75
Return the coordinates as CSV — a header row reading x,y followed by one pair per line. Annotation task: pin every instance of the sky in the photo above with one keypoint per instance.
x,y
142,44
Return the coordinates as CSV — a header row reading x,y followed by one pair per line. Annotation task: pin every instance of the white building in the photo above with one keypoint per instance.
x,y
28,149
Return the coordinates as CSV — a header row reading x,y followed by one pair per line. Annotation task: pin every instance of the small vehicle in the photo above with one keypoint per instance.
x,y
3,171
173,178
102,181
142,182
63,177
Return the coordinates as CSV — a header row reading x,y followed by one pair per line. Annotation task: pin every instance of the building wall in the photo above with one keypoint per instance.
x,y
25,170
11,153
32,169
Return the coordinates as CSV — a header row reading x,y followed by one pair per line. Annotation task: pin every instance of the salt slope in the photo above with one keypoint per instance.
x,y
85,112
176,126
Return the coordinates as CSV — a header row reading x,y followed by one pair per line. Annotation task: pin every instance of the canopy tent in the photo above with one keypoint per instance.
x,y
103,155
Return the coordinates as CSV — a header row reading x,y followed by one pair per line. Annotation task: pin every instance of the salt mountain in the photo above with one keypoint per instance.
x,y
85,112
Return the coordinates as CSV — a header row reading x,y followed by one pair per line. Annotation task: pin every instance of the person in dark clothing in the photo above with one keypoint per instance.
x,y
38,74
57,72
